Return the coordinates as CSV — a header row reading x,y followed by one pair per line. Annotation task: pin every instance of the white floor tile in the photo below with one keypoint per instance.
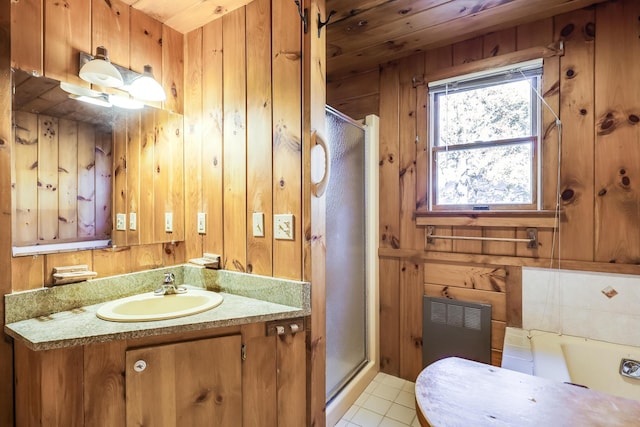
x,y
350,413
394,382
377,404
416,422
388,422
406,399
380,376
362,398
342,423
401,413
410,387
366,418
386,392
372,385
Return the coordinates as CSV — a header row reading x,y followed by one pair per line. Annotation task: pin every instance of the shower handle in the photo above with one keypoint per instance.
x,y
319,186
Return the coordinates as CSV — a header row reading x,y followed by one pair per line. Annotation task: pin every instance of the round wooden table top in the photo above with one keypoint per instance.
x,y
460,392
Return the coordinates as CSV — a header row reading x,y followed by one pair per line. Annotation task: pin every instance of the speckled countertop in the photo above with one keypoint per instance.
x,y
65,316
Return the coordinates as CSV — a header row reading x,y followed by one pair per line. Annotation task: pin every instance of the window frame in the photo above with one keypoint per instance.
x,y
533,71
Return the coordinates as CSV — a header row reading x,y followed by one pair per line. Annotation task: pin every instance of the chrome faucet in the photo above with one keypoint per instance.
x,y
169,286
630,368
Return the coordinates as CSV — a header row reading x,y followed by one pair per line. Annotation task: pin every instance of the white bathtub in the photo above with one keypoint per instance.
x,y
594,364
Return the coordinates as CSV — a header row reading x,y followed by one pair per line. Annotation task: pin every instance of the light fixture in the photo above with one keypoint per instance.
x,y
127,103
100,100
100,70
146,87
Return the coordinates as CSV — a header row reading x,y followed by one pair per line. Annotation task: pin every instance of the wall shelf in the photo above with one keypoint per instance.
x,y
539,219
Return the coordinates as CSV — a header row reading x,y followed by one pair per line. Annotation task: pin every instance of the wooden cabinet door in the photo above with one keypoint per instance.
x,y
196,383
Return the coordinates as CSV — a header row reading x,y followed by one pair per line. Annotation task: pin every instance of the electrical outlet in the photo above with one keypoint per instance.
x,y
121,221
133,221
258,224
168,222
283,226
202,222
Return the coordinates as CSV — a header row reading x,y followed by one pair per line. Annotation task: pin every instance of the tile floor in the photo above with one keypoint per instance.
x,y
386,402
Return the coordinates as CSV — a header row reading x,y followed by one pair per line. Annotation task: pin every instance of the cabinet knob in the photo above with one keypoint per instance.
x,y
140,366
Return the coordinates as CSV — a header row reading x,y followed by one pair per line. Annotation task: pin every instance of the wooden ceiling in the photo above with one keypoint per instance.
x,y
186,15
366,33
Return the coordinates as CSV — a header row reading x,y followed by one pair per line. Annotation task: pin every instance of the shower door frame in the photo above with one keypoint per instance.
x,y
341,402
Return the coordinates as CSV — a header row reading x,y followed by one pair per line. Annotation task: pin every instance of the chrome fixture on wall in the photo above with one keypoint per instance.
x,y
100,71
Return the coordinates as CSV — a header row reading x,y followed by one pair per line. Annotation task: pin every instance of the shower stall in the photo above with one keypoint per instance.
x,y
351,259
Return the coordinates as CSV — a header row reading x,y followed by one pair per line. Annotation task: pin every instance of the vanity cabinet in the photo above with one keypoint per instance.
x,y
233,376
194,383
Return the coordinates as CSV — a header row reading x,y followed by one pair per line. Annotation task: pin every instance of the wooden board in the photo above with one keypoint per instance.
x,y
193,142
286,51
389,157
86,181
259,378
104,384
133,146
389,316
48,177
499,43
26,273
410,69
487,278
161,178
26,35
61,387
235,141
67,179
104,171
67,32
120,196
110,28
291,387
146,43
259,135
212,131
172,69
410,295
146,217
617,235
25,162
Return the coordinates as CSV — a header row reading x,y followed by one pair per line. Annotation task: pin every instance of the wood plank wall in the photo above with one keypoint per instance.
x,y
245,67
6,146
66,166
589,88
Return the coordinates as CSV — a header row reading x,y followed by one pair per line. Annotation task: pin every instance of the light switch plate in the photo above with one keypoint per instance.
x,y
121,221
283,226
168,222
133,221
202,222
258,224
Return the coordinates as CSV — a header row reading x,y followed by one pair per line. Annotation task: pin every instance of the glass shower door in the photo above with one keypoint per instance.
x,y
345,257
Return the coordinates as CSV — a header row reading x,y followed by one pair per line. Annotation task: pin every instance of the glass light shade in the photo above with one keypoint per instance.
x,y
100,71
146,87
126,103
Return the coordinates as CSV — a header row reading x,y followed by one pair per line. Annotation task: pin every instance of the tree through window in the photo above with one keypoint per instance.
x,y
485,140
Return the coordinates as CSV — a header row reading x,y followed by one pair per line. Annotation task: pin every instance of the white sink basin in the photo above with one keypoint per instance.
x,y
147,306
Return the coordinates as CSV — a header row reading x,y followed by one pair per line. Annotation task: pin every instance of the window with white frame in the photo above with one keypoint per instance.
x,y
485,139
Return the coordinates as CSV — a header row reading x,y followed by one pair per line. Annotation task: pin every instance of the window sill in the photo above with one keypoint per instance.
x,y
501,218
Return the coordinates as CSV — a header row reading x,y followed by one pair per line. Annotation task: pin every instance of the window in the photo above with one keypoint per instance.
x,y
484,140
